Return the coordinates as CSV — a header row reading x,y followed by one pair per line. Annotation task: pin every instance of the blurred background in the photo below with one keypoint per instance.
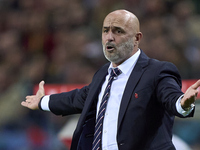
x,y
55,41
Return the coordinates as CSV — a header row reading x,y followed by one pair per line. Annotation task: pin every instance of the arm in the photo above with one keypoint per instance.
x,y
170,88
68,103
60,104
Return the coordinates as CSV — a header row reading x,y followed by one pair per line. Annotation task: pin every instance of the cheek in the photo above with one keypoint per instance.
x,y
120,41
104,37
103,41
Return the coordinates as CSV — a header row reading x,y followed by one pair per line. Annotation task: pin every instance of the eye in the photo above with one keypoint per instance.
x,y
119,31
105,31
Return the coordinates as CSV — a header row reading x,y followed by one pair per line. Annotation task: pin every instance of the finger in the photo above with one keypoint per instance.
x,y
28,100
25,104
41,85
29,105
30,97
196,85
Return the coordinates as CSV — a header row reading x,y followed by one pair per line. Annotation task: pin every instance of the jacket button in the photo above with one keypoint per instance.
x,y
121,144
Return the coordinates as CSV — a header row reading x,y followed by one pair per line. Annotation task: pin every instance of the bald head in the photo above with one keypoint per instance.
x,y
125,17
120,36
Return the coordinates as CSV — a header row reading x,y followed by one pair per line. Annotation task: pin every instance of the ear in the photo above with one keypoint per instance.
x,y
138,38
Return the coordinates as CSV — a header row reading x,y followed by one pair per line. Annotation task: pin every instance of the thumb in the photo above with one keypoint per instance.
x,y
41,91
41,85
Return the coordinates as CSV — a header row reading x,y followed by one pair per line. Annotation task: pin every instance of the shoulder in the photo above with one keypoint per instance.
x,y
102,70
165,71
156,64
101,73
160,69
161,66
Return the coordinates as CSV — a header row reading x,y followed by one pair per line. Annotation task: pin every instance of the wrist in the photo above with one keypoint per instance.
x,y
39,104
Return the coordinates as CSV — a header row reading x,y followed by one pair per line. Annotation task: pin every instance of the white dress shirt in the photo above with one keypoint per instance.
x,y
109,141
109,134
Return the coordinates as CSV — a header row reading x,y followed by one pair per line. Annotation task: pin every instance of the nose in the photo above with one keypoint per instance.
x,y
110,36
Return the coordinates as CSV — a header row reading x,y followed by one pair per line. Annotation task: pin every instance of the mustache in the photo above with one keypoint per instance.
x,y
109,44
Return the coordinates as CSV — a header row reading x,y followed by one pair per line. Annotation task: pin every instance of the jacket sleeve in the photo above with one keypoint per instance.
x,y
68,103
169,86
73,102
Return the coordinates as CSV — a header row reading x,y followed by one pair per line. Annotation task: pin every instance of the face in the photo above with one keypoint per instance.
x,y
119,37
118,53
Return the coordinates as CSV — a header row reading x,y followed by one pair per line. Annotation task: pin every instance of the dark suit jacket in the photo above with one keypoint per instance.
x,y
147,108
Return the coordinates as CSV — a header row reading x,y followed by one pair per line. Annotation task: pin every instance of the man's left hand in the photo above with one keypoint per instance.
x,y
190,95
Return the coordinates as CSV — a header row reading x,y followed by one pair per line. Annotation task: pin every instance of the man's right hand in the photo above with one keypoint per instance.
x,y
32,101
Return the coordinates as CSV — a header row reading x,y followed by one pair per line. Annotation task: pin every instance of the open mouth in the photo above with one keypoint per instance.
x,y
110,48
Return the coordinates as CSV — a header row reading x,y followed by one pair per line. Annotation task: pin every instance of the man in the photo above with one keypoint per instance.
x,y
141,103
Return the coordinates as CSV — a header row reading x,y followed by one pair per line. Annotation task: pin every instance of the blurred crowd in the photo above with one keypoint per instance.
x,y
60,42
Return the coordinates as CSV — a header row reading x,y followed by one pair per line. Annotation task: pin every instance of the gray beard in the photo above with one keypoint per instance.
x,y
123,52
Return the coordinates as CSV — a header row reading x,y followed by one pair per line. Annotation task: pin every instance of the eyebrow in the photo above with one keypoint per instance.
x,y
114,27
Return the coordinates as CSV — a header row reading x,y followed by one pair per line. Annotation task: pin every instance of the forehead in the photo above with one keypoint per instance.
x,y
118,20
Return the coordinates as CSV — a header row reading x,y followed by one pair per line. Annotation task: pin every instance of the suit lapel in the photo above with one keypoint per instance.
x,y
97,84
92,97
131,84
89,110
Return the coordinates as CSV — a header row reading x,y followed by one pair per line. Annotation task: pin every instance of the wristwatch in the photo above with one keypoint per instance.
x,y
190,108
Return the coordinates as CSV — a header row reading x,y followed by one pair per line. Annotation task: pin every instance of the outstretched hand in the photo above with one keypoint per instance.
x,y
190,95
32,101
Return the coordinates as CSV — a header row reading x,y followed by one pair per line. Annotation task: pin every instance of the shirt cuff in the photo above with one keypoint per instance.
x,y
180,109
45,103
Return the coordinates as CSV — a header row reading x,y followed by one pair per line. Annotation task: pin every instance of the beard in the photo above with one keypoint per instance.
x,y
120,53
